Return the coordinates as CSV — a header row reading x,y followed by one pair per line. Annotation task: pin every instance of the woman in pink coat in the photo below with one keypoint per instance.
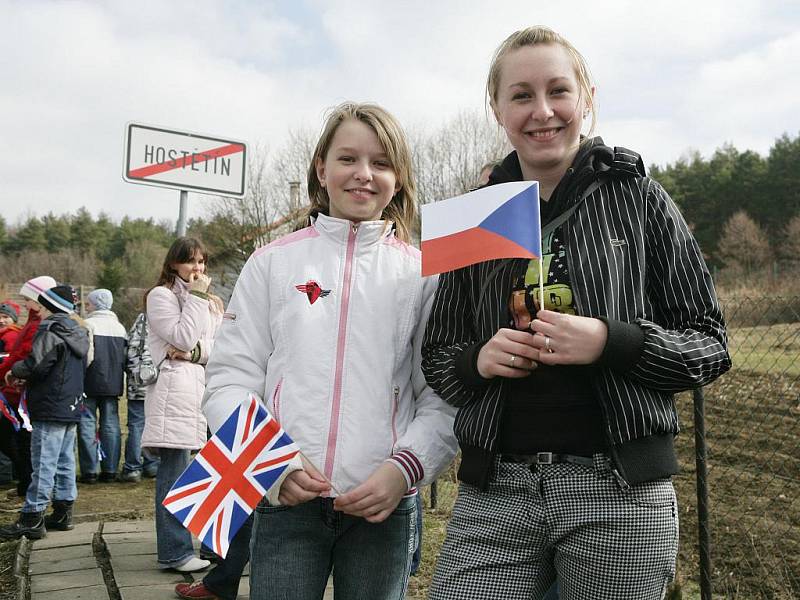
x,y
183,318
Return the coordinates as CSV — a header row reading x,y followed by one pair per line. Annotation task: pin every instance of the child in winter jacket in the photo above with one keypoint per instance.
x,y
9,330
53,374
104,384
15,439
137,463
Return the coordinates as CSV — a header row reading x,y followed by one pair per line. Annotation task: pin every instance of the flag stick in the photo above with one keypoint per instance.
x,y
541,283
328,481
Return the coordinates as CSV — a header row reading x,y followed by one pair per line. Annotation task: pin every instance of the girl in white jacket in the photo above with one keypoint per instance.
x,y
325,325
182,319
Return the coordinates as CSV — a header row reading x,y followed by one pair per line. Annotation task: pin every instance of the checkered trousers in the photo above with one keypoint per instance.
x,y
564,521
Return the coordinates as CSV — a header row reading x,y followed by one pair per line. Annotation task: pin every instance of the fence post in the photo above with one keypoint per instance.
x,y
703,531
434,495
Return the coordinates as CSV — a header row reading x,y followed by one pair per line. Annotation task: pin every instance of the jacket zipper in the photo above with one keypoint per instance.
x,y
395,402
333,430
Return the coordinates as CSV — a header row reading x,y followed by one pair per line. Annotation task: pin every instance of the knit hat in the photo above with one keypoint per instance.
x,y
10,309
58,299
101,298
38,285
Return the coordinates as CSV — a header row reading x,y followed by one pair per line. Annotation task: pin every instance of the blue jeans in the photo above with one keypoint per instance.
x,y
416,559
134,461
53,461
223,580
173,540
293,550
109,434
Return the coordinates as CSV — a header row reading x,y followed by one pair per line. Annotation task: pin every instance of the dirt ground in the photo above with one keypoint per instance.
x,y
754,485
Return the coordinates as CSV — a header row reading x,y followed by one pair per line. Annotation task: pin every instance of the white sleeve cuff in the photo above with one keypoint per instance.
x,y
296,464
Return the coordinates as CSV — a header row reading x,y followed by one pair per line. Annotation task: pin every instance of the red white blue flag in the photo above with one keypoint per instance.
x,y
498,221
7,411
22,409
231,474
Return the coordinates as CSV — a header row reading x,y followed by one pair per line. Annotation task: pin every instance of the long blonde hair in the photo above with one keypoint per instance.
x,y
532,36
402,209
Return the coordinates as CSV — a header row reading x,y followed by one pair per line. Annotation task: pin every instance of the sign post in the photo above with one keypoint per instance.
x,y
182,210
184,161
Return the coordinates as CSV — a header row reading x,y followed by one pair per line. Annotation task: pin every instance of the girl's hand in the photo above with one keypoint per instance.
x,y
572,340
377,497
216,301
199,282
13,381
302,486
174,354
510,353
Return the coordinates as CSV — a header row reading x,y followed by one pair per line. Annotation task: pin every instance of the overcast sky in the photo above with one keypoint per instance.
x,y
671,77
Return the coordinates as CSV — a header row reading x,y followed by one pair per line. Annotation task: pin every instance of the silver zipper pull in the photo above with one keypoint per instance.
x,y
396,392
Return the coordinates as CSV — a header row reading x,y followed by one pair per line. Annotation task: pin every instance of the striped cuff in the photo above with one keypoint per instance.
x,y
409,466
200,294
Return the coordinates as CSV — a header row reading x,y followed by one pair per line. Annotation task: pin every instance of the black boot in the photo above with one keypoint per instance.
x,y
30,525
61,517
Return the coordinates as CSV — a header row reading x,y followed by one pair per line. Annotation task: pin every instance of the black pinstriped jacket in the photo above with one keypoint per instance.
x,y
632,262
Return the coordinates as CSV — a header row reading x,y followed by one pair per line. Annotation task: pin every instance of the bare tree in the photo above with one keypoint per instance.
x,y
744,246
290,165
276,194
790,249
448,161
142,263
244,217
68,265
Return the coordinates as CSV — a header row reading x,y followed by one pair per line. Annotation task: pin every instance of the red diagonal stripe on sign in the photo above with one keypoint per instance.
x,y
179,163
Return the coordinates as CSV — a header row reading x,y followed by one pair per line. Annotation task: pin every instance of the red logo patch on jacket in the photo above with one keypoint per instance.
x,y
313,290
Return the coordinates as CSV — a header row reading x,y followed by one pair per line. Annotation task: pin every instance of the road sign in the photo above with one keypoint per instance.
x,y
185,161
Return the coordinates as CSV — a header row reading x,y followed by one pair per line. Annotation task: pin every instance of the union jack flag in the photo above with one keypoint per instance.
x,y
231,474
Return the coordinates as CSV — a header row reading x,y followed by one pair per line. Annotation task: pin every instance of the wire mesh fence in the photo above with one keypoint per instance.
x,y
752,433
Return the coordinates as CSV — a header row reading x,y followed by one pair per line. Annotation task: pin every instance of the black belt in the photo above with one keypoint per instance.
x,y
547,458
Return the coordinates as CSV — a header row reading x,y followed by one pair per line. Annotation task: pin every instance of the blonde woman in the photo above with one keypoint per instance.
x,y
566,416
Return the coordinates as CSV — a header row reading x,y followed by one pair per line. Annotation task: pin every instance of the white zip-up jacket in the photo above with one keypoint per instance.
x,y
326,325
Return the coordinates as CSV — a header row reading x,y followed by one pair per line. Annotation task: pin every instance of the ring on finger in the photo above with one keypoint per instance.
x,y
547,344
513,360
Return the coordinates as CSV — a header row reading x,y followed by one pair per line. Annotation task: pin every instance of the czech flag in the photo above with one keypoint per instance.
x,y
499,221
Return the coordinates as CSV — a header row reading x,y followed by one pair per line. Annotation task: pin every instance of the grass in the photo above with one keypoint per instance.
x,y
767,349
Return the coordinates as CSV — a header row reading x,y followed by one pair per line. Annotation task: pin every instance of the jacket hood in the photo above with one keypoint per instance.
x,y
74,336
593,158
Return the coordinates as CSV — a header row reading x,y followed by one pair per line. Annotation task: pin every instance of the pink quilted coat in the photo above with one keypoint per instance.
x,y
173,418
